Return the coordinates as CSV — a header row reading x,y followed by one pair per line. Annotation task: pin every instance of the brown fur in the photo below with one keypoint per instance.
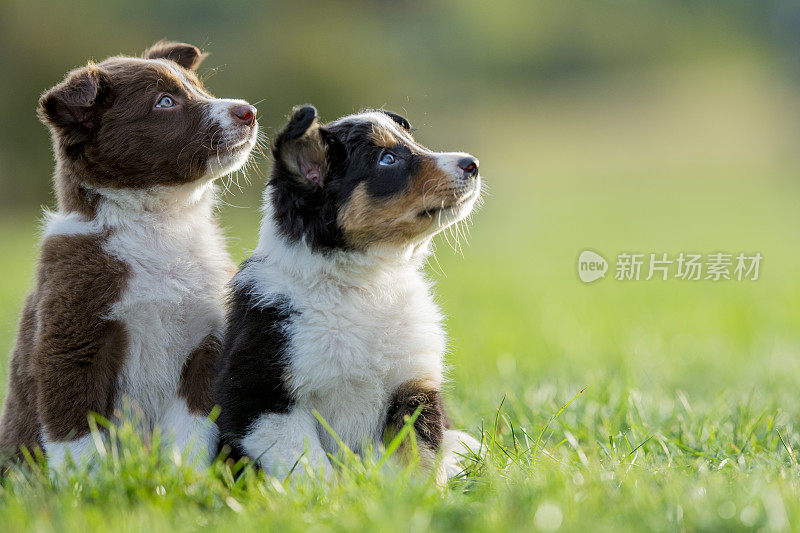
x,y
107,134
197,378
124,98
307,155
333,189
431,423
17,424
383,137
67,357
399,219
186,55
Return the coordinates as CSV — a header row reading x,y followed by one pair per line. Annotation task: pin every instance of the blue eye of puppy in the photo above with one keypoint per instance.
x,y
387,159
166,101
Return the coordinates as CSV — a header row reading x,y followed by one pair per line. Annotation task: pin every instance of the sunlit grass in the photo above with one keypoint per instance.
x,y
624,459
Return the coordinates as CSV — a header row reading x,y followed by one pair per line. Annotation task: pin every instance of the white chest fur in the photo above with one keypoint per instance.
x,y
350,350
350,345
174,295
173,300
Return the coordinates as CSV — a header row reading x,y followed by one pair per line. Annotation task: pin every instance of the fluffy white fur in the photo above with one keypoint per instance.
x,y
288,437
189,436
174,297
80,451
367,324
456,446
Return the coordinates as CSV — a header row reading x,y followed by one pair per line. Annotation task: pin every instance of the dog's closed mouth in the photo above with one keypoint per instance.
x,y
430,212
433,211
239,142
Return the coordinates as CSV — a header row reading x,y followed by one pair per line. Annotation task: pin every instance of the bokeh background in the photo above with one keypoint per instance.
x,y
616,125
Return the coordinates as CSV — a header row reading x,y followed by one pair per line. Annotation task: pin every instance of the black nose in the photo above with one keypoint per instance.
x,y
469,165
244,113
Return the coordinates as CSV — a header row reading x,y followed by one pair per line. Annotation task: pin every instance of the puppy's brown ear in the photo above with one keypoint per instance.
x,y
306,149
186,55
73,106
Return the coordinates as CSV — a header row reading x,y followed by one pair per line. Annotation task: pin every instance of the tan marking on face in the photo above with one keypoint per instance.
x,y
68,356
366,220
383,137
390,135
197,377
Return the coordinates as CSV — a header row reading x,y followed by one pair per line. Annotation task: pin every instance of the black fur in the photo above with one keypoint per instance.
x,y
402,121
299,122
250,372
432,420
304,209
394,179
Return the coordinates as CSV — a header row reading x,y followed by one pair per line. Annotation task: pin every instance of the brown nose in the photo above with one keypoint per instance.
x,y
244,113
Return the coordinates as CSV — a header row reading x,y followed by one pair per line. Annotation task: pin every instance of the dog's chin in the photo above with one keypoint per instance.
x,y
443,216
231,157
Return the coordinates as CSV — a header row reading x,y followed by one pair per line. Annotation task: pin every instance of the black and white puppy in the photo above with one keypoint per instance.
x,y
332,312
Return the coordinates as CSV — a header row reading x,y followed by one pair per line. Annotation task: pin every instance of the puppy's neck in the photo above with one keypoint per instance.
x,y
376,266
157,206
172,207
157,200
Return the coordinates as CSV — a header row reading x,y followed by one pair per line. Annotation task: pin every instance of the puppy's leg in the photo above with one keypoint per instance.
x,y
456,446
429,426
185,422
72,382
79,450
77,353
279,440
188,433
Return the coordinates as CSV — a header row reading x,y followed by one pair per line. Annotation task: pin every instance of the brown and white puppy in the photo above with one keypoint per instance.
x,y
127,307
331,313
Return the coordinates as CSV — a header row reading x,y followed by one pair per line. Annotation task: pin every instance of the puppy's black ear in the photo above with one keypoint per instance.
x,y
401,121
73,106
307,150
186,55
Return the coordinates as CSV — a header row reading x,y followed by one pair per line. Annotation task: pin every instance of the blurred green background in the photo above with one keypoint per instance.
x,y
644,126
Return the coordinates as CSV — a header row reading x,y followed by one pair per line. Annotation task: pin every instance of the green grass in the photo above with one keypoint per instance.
x,y
688,420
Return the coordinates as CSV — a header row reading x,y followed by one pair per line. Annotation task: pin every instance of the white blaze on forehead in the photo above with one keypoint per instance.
x,y
447,161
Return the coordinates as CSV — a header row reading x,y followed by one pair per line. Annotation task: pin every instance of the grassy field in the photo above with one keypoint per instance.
x,y
689,413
